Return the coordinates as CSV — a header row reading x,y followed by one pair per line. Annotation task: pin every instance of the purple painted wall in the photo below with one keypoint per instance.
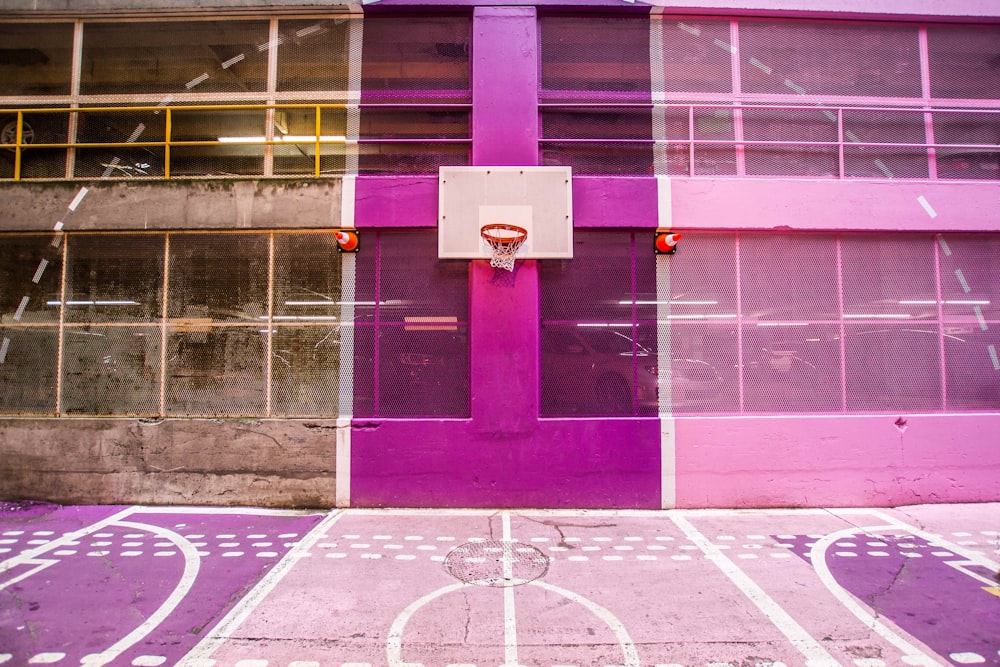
x,y
506,456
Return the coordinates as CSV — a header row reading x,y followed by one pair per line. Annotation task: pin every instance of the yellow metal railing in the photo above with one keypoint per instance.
x,y
269,135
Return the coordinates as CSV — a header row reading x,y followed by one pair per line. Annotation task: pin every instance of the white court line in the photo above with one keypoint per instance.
x,y
509,614
394,642
239,613
911,654
815,654
192,564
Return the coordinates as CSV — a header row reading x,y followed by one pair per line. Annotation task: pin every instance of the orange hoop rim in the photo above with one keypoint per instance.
x,y
487,231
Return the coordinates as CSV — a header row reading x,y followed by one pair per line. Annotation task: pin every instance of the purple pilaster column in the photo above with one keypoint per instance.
x,y
504,313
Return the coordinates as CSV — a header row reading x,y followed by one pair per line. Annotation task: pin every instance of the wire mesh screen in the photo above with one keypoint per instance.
x,y
696,55
36,58
111,370
306,325
416,58
28,373
963,61
780,324
598,336
155,57
594,57
411,344
799,57
314,57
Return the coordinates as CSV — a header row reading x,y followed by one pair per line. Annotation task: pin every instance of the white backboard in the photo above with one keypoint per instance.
x,y
540,199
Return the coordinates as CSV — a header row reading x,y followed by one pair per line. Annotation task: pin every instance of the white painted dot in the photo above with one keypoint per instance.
x,y
539,539
100,544
360,545
226,536
689,547
747,556
786,537
405,557
393,546
313,663
232,554
578,558
251,663
228,545
413,538
437,559
327,545
371,556
261,545
427,547
163,544
876,544
8,541
149,660
199,544
445,538
203,553
612,558
476,539
602,539
266,554
98,553
591,548
967,658
39,541
869,662
968,543
571,539
756,537
44,532
878,553
45,658
723,547
104,534
336,554
645,557
680,558
848,545
781,554
623,547
990,533
961,535
381,537
257,536
162,554
656,547
134,536
725,538
633,538
5,657
910,554
131,553
61,552
846,554
13,532
196,536
943,554
287,535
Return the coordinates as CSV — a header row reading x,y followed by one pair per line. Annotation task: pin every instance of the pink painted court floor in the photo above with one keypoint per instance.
x,y
245,587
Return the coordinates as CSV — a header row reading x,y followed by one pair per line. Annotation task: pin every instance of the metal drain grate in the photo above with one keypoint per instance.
x,y
497,563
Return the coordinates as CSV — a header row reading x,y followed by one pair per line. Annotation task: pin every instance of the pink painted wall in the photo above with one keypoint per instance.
x,y
837,460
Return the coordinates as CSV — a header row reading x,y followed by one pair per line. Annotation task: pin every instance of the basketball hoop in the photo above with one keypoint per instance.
x,y
505,240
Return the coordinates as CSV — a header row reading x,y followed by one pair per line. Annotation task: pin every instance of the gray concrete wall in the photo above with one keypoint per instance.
x,y
129,205
271,463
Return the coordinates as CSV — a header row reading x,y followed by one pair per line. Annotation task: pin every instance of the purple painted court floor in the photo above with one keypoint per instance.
x,y
241,587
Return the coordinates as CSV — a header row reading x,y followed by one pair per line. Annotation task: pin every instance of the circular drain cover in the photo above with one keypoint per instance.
x,y
497,563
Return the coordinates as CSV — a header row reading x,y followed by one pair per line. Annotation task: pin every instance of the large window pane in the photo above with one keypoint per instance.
x,y
892,366
218,278
168,57
411,324
313,55
963,61
30,267
889,278
216,371
28,370
588,55
114,278
830,59
35,58
111,370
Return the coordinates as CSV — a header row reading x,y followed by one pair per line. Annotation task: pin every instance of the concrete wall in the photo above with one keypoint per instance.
x,y
276,463
167,205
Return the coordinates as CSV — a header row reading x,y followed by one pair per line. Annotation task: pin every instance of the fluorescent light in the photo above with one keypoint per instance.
x,y
954,302
122,302
672,303
283,138
877,316
308,318
310,303
782,324
604,324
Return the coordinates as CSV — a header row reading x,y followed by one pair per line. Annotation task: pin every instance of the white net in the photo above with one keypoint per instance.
x,y
506,241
